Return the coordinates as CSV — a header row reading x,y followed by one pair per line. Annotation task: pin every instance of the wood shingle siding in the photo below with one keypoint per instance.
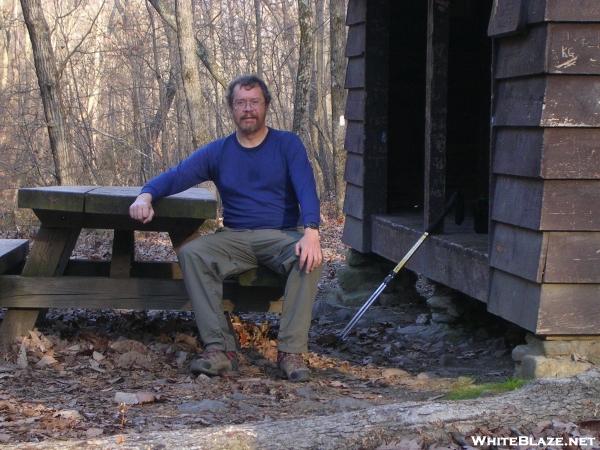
x,y
545,309
365,136
410,140
549,153
549,205
548,101
355,170
545,242
562,10
355,44
355,137
555,48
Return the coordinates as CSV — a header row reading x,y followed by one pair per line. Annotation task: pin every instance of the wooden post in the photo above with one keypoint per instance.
x,y
436,110
122,254
48,258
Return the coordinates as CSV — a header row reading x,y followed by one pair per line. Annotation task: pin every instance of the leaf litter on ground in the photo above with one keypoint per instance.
x,y
88,373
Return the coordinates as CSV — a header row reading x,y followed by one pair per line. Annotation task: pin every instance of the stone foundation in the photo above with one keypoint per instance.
x,y
555,358
364,273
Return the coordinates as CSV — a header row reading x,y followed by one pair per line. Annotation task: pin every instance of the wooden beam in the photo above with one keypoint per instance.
x,y
457,258
436,108
111,221
259,277
122,293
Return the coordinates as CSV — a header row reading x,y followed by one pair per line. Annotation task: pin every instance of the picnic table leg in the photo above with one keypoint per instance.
x,y
122,254
48,257
180,235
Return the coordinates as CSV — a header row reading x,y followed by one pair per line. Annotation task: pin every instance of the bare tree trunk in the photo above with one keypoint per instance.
x,y
189,67
45,67
5,16
317,117
178,89
166,95
259,52
337,64
219,125
300,123
170,19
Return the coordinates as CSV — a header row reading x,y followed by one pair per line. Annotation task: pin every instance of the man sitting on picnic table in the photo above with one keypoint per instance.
x,y
266,184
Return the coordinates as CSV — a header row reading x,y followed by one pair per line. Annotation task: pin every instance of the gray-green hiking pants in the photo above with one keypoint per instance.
x,y
207,260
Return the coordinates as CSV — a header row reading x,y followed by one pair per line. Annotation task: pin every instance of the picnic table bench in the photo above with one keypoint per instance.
x,y
12,254
51,279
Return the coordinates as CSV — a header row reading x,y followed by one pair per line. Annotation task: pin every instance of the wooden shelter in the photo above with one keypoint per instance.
x,y
500,101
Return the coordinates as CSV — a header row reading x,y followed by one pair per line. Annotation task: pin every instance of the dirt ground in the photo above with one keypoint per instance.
x,y
89,373
84,374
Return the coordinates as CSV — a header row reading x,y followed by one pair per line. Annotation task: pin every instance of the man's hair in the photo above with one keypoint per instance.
x,y
248,81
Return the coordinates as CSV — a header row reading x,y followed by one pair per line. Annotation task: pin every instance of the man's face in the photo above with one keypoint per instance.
x,y
248,110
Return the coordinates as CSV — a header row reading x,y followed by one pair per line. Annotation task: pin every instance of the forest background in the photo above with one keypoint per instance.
x,y
112,92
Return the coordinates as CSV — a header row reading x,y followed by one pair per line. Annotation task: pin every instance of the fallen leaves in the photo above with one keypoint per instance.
x,y
46,360
133,359
128,345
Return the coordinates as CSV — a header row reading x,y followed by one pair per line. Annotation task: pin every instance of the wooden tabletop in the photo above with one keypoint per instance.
x,y
195,203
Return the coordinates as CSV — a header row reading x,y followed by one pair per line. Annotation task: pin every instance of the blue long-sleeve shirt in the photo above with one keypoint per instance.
x,y
261,187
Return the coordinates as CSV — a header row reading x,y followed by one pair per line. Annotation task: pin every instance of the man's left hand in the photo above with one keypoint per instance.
x,y
308,249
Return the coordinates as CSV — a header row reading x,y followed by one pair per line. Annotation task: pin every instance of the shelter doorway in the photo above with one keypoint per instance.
x,y
465,132
439,78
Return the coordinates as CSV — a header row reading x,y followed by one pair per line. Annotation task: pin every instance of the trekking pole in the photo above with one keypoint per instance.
x,y
363,309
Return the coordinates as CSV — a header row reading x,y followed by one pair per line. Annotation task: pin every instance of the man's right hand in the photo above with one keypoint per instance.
x,y
141,209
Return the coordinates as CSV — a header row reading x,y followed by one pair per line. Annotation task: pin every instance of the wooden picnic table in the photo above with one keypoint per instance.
x,y
63,212
50,279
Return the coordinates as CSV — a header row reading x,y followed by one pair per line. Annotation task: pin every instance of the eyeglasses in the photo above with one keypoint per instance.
x,y
247,104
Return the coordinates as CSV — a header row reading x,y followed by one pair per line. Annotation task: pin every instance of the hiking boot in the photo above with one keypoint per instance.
x,y
215,362
293,366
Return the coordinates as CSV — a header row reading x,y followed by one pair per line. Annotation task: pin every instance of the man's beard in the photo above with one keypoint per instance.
x,y
249,126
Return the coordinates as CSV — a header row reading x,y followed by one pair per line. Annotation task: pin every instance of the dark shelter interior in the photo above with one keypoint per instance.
x,y
468,109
